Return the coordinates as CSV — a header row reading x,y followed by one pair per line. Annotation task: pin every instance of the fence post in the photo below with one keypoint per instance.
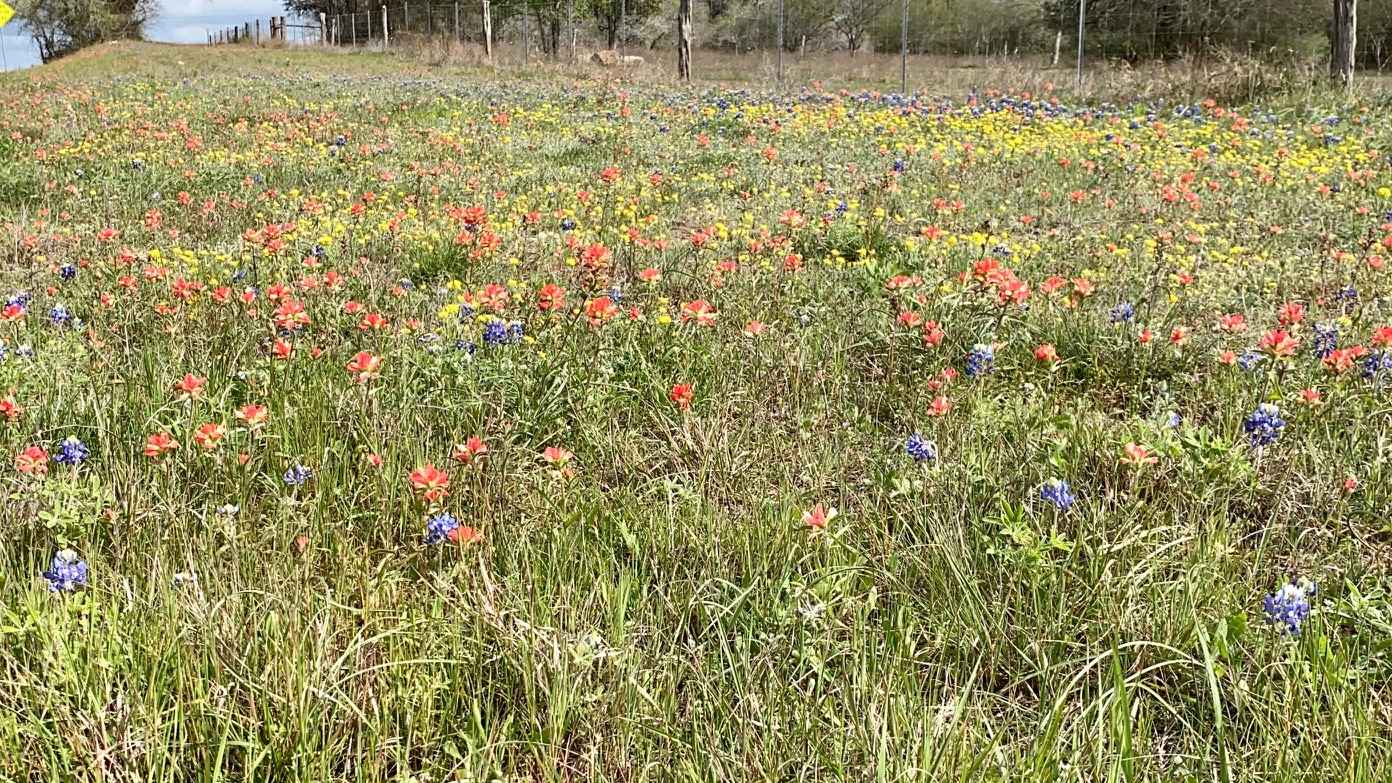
x,y
369,28
1341,42
904,50
487,31
406,17
456,21
386,41
246,31
778,52
429,21
526,37
684,40
1082,19
570,24
623,28
323,28
284,31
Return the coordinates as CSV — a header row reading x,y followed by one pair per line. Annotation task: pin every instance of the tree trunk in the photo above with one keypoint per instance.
x,y
1342,41
684,40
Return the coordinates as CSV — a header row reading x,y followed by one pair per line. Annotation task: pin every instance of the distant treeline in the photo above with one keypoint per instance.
x,y
1122,29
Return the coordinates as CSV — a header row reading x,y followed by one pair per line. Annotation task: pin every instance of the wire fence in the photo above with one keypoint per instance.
x,y
775,34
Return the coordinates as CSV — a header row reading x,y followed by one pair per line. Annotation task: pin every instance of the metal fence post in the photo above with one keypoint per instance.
x,y
1082,18
904,51
778,51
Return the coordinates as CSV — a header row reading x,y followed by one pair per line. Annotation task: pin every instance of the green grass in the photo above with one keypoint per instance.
x,y
665,614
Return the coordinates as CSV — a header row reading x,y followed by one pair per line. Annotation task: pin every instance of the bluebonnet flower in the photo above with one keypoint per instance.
x,y
466,312
1326,339
567,224
1376,363
67,573
67,271
981,360
72,452
516,331
495,332
1264,425
1173,420
437,528
59,315
1347,294
615,294
466,346
1249,359
920,449
407,284
1290,605
1056,491
19,299
899,165
298,474
156,196
1123,313
137,164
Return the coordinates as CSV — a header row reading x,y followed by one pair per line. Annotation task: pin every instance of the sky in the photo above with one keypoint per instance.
x,y
180,21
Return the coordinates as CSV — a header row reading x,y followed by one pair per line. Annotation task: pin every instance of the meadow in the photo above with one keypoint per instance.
x,y
370,423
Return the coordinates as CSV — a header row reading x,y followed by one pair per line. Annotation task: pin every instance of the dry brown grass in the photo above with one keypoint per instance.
x,y
1228,79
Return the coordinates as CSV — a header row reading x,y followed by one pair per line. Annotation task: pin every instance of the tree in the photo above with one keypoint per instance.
x,y
1342,36
61,27
852,19
614,15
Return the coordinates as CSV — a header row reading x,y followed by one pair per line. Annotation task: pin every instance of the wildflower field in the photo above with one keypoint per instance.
x,y
448,427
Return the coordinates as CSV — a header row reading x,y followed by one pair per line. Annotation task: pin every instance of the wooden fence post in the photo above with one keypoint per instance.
x,y
456,21
323,28
487,30
386,41
258,32
684,40
1341,42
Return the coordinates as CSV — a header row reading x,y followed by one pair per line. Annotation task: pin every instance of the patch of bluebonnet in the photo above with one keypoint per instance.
x,y
67,572
438,528
1058,492
1289,606
1264,425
